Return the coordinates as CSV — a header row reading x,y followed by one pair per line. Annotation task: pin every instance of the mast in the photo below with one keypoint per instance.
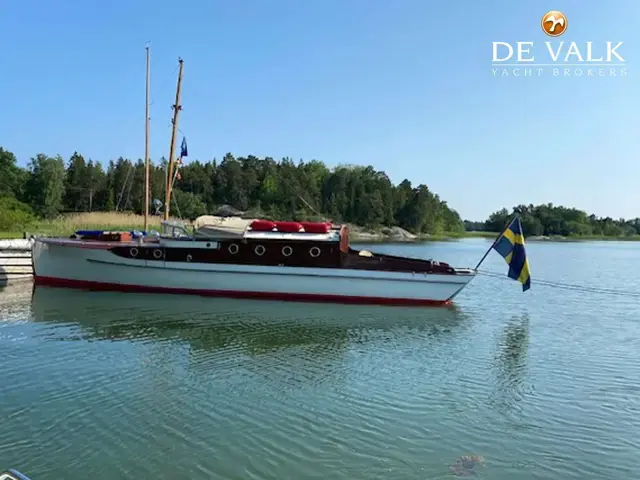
x,y
176,109
146,148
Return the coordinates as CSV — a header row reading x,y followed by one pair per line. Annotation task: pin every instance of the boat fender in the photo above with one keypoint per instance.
x,y
189,258
13,474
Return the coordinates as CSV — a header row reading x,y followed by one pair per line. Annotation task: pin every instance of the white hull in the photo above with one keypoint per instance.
x,y
64,264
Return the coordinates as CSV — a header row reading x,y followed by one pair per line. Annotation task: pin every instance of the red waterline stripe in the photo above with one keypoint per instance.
x,y
295,297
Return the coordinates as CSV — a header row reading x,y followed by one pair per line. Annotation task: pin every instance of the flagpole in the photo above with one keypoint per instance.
x,y
495,241
146,151
172,155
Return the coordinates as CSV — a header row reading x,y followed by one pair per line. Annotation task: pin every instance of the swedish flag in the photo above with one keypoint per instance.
x,y
511,246
183,148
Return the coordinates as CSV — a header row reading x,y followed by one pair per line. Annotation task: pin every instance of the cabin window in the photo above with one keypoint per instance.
x,y
157,254
287,251
314,252
259,250
133,252
233,248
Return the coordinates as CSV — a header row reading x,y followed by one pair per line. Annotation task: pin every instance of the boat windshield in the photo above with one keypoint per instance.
x,y
172,229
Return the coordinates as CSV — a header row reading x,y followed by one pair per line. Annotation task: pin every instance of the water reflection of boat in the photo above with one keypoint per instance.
x,y
511,366
216,323
14,300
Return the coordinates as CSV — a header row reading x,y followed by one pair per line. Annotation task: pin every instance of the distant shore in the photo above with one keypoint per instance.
x,y
584,238
396,234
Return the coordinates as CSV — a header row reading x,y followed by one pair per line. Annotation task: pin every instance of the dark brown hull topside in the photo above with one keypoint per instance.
x,y
279,252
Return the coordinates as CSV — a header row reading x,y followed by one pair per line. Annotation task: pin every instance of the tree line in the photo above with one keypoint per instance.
x,y
264,187
550,220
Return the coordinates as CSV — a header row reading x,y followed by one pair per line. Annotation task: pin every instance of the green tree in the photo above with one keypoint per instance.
x,y
189,205
14,215
12,178
274,189
45,187
75,179
548,219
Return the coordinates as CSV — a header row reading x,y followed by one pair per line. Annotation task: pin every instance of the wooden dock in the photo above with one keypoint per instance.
x,y
15,261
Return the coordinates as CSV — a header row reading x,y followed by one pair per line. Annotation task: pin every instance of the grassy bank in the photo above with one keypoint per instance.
x,y
67,224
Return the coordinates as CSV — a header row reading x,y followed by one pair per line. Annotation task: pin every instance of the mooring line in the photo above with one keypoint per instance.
x,y
567,286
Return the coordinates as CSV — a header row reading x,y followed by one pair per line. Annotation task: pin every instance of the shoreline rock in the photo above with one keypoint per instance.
x,y
385,233
546,238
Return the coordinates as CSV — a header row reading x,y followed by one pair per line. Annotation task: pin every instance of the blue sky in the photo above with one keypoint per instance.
x,y
394,84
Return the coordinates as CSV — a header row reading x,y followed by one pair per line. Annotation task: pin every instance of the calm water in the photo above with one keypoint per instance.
x,y
543,384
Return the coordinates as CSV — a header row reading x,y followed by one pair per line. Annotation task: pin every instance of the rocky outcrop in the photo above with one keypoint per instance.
x,y
395,234
227,211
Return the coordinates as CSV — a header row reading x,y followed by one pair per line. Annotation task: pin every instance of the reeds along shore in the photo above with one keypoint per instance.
x,y
67,224
98,220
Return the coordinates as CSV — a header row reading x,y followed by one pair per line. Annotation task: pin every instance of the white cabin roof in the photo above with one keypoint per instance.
x,y
211,226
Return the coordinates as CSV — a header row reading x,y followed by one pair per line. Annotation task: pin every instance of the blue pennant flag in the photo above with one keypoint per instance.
x,y
511,246
183,148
